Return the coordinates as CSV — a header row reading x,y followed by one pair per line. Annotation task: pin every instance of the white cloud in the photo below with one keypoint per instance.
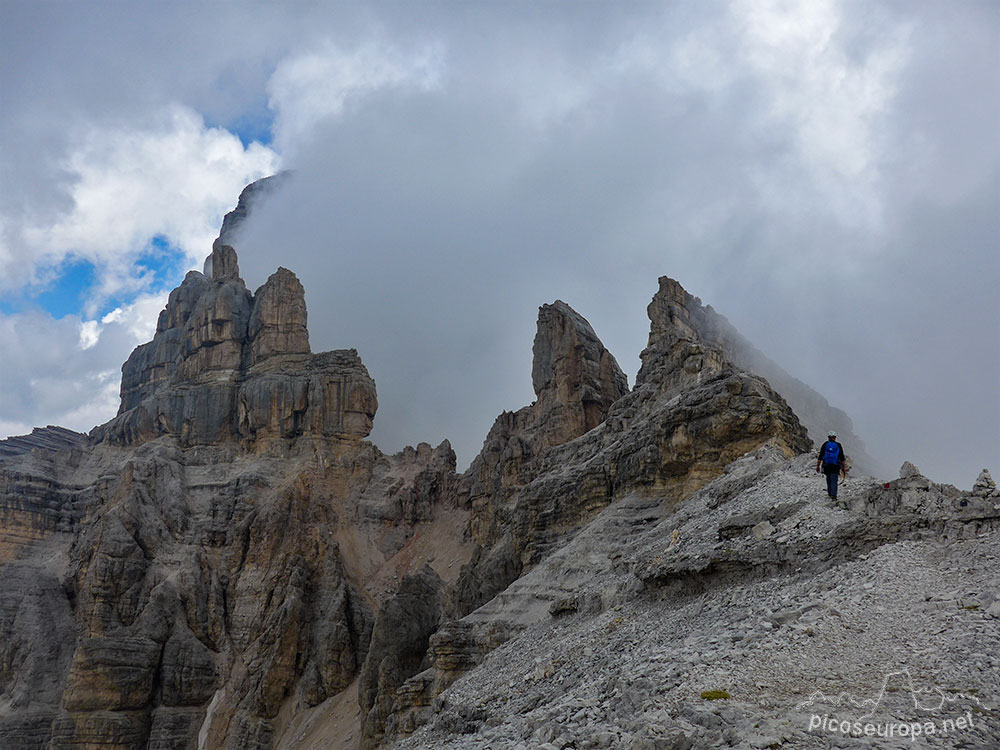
x,y
67,371
137,319
101,403
310,87
556,151
833,102
90,334
8,428
174,177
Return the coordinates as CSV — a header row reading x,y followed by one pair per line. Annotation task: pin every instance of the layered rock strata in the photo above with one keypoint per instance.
x,y
38,500
48,439
210,564
227,365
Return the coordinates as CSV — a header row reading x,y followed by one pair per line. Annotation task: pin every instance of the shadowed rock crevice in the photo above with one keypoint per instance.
x,y
398,650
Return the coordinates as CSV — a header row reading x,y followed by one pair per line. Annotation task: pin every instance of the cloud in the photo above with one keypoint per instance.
x,y
173,177
68,371
761,156
309,87
833,101
825,174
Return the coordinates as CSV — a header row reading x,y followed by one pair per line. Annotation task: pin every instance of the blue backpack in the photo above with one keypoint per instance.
x,y
831,452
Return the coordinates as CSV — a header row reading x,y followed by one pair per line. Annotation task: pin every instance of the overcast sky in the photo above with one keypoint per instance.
x,y
825,174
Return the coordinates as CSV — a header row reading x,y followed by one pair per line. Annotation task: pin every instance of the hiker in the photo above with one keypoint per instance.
x,y
830,461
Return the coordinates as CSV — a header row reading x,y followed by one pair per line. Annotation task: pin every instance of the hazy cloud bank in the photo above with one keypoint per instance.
x,y
825,174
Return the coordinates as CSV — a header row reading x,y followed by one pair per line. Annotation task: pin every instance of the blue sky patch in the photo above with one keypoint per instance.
x,y
166,264
250,127
249,130
73,282
67,293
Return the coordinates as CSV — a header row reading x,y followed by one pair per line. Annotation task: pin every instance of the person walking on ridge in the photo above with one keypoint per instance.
x,y
830,461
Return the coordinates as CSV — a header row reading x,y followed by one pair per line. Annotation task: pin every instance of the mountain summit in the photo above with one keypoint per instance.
x,y
229,563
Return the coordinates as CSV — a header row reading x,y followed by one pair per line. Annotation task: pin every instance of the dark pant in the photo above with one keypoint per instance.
x,y
832,471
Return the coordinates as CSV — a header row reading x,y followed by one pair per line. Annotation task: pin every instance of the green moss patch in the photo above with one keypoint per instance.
x,y
716,695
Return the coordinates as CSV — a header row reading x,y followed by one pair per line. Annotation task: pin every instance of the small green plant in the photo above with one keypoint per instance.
x,y
972,607
716,695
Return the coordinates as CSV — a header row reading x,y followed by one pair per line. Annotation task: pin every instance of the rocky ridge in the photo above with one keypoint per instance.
x,y
229,563
546,470
676,313
50,439
740,619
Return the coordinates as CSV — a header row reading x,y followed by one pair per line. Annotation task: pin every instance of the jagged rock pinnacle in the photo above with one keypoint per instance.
x,y
278,320
210,375
690,342
575,378
222,264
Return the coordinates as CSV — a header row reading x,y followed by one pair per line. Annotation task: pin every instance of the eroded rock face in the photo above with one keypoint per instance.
x,y
398,649
201,566
691,412
226,365
36,503
575,378
278,319
48,439
543,474
688,341
202,590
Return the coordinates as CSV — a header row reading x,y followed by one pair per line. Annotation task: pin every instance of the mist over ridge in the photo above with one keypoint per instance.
x,y
824,174
443,315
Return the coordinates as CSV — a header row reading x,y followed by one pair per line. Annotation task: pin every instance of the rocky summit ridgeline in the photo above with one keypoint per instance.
x,y
229,563
227,365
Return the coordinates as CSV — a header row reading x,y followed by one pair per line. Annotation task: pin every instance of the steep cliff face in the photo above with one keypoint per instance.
x,y
39,500
576,380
